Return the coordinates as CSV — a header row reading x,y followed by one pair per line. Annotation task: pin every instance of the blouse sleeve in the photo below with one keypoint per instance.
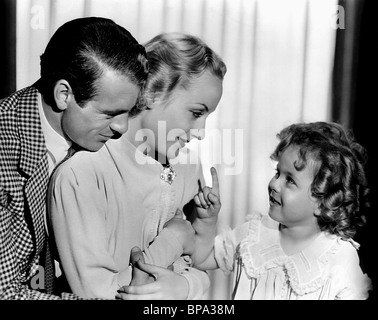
x,y
164,250
199,283
77,216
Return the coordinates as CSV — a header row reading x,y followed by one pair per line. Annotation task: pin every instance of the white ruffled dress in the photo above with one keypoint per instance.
x,y
327,269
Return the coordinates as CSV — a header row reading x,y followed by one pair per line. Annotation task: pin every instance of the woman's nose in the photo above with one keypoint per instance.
x,y
199,131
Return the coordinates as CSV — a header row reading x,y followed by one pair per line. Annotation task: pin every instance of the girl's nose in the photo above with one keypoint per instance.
x,y
273,185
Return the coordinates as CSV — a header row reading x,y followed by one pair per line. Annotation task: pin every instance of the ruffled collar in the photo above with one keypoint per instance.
x,y
305,270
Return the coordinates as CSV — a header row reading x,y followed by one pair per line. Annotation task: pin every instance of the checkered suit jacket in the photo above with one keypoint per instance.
x,y
23,184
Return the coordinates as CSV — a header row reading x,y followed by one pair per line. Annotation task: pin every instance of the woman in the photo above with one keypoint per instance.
x,y
103,204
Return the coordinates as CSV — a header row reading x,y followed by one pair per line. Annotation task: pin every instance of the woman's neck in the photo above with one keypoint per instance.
x,y
135,125
296,238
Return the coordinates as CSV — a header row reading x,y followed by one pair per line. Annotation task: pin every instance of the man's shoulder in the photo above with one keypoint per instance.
x,y
23,96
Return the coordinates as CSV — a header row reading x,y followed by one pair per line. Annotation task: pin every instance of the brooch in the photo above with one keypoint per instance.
x,y
167,174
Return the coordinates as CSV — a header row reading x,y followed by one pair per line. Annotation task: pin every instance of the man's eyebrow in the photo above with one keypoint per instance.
x,y
115,112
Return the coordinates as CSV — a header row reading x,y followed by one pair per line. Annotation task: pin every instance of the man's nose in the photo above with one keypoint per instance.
x,y
120,123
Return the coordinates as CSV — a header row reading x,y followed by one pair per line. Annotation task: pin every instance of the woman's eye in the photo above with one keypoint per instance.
x,y
197,114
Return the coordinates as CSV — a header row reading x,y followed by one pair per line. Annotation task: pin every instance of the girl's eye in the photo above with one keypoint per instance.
x,y
290,180
277,174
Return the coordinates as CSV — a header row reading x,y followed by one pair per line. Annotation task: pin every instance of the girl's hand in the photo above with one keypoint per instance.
x,y
183,231
207,201
168,285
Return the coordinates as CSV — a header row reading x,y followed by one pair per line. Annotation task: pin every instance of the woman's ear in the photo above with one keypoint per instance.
x,y
62,94
152,100
317,212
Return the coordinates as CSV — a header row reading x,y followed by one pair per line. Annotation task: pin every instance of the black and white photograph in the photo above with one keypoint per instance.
x,y
202,151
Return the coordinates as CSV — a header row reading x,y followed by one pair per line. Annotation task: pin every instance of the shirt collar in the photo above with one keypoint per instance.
x,y
57,146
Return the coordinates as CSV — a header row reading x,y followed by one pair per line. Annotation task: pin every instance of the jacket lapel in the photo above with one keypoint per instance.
x,y
33,162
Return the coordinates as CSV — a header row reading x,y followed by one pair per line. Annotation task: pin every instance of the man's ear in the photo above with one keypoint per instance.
x,y
62,94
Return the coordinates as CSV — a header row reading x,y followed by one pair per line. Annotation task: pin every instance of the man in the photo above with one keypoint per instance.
x,y
91,74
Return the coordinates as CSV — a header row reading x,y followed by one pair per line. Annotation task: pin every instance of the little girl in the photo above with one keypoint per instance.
x,y
303,248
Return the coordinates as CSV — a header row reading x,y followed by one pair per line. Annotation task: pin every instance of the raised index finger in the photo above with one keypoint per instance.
x,y
215,181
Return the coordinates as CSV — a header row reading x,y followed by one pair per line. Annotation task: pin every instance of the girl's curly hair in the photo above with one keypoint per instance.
x,y
340,183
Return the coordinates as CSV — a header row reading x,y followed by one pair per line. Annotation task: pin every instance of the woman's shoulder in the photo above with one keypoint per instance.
x,y
82,163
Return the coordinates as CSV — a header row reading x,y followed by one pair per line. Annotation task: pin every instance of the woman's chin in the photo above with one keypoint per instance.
x,y
173,152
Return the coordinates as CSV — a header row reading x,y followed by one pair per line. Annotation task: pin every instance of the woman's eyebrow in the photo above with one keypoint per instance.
x,y
203,105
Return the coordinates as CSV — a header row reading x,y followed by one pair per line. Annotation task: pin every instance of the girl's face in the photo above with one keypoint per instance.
x,y
183,118
290,200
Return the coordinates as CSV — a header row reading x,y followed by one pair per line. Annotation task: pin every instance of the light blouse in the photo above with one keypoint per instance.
x,y
102,204
327,269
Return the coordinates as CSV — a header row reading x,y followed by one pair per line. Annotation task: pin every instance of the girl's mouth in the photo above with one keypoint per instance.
x,y
273,201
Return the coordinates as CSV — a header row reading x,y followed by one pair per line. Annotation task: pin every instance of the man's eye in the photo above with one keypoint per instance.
x,y
112,115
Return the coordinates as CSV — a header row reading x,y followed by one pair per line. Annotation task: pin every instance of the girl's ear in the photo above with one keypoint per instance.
x,y
317,212
62,94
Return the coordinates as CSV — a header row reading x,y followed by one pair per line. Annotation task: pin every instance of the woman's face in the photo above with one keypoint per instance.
x,y
183,118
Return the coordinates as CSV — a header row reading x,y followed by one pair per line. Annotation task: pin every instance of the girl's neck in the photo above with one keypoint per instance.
x,y
295,239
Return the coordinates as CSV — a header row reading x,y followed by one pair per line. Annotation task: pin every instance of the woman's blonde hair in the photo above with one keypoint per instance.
x,y
175,59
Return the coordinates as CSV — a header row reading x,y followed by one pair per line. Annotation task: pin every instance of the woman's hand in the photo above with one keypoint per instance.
x,y
139,277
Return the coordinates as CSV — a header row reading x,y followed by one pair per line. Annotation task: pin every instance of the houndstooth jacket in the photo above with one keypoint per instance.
x,y
23,183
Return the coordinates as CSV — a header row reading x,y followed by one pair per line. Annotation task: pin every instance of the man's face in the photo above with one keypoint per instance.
x,y
105,116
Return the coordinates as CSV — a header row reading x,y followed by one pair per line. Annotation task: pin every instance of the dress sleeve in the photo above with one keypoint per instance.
x,y
225,246
77,216
354,284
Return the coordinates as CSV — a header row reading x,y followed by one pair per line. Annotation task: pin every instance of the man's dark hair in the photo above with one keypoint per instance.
x,y
82,49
